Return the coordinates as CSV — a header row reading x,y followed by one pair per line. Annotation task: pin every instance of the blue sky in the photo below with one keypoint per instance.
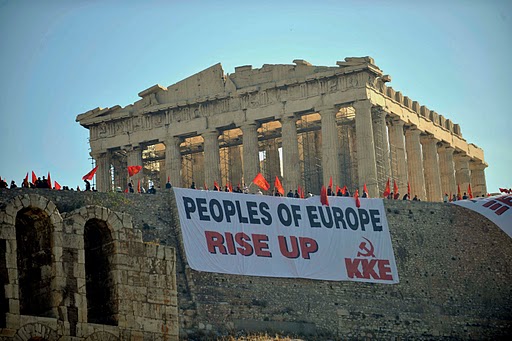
x,y
59,59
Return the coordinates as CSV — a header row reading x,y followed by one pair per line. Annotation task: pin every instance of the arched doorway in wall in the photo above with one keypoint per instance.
x,y
34,258
99,250
4,279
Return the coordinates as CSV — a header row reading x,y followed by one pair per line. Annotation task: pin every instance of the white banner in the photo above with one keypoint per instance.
x,y
257,235
496,208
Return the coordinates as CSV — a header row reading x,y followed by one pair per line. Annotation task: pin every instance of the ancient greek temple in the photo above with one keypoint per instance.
x,y
300,122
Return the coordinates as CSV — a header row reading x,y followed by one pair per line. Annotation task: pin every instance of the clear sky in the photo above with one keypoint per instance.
x,y
59,59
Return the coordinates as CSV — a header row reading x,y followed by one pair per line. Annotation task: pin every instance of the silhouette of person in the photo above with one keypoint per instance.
x,y
87,185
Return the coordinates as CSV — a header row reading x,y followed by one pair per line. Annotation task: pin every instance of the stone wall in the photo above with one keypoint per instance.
x,y
85,267
454,268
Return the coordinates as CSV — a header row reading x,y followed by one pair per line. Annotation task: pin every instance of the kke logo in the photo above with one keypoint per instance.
x,y
366,265
368,252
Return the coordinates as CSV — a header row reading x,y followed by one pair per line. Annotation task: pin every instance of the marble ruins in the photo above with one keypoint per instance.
x,y
301,122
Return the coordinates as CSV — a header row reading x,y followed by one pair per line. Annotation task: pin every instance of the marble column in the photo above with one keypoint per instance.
x,y
366,161
431,168
291,162
198,173
272,165
380,138
251,157
235,157
173,160
478,184
415,163
103,176
398,159
225,166
211,158
330,147
462,172
310,153
354,172
345,156
447,170
135,159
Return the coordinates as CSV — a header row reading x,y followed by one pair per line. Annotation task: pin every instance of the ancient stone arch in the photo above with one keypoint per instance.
x,y
112,219
36,332
99,227
102,336
29,225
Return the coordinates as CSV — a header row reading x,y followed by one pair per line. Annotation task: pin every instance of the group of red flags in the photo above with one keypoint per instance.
x,y
262,183
48,180
396,194
132,170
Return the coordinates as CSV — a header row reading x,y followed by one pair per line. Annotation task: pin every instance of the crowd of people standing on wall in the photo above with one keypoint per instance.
x,y
340,192
43,183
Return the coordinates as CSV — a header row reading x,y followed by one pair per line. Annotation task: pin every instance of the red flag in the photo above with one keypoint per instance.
x,y
261,182
365,190
356,195
57,186
132,170
301,193
450,198
408,189
90,175
278,186
49,180
34,178
344,190
205,187
216,185
323,196
330,182
138,186
126,190
459,195
387,191
470,192
25,182
230,187
168,179
395,189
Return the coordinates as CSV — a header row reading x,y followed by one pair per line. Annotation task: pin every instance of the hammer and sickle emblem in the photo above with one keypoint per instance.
x,y
369,252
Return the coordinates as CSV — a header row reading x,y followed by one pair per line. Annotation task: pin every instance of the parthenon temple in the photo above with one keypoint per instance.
x,y
300,122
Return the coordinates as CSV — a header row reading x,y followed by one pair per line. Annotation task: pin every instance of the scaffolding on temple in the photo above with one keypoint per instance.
x,y
309,140
152,157
269,146
230,157
348,153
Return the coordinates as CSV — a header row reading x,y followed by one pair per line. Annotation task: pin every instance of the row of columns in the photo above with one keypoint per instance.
x,y
411,158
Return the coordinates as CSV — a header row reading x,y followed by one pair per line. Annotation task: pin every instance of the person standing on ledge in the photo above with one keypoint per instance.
x,y
87,185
